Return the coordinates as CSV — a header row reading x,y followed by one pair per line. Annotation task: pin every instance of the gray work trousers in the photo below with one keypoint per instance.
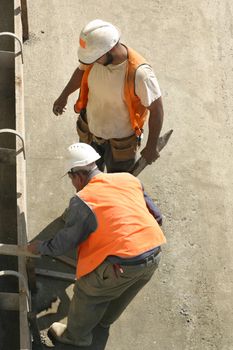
x,y
101,297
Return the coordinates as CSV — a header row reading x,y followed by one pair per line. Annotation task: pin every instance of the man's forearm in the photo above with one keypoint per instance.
x,y
73,84
150,152
56,246
153,209
155,123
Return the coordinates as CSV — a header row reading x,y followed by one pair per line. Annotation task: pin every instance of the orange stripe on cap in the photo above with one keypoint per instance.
x,y
82,43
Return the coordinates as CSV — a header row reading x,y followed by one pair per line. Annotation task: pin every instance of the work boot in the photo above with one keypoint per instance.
x,y
58,332
45,340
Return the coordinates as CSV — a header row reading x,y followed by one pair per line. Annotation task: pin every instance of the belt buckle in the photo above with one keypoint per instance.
x,y
152,257
149,260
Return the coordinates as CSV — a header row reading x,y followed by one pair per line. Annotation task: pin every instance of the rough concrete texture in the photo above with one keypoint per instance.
x,y
188,303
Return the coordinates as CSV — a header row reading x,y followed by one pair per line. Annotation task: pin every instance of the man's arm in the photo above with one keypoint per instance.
x,y
148,90
80,223
150,152
73,85
153,209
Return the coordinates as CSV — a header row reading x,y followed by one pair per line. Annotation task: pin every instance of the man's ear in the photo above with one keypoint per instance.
x,y
81,177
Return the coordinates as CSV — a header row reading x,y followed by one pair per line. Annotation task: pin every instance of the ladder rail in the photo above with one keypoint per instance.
x,y
13,35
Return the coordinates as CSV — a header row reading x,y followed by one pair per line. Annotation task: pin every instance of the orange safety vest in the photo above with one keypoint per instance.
x,y
125,226
136,110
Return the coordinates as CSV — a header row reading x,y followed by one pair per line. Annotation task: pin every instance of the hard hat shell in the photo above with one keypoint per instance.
x,y
81,155
97,38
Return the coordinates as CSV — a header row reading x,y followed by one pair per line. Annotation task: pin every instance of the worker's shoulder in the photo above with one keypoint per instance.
x,y
123,176
78,204
119,174
144,72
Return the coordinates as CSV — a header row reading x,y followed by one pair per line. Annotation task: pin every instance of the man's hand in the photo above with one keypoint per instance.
x,y
150,155
33,247
59,105
74,84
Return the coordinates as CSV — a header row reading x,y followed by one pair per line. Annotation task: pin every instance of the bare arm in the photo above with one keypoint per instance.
x,y
73,85
150,152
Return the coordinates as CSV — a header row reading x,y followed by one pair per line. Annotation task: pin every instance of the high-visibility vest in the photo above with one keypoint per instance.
x,y
125,226
137,111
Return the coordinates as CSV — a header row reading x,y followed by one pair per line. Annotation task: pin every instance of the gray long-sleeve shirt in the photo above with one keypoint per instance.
x,y
79,224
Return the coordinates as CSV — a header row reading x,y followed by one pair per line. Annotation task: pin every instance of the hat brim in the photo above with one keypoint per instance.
x,y
86,57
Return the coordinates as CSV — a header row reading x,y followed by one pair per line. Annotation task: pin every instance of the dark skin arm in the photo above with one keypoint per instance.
x,y
150,152
73,85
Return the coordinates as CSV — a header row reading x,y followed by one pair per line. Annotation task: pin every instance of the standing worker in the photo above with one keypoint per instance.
x,y
113,224
118,90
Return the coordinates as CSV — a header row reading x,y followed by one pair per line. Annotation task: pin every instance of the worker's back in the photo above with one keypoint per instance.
x,y
125,226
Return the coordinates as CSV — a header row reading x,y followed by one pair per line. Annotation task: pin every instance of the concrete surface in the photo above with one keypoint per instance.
x,y
188,303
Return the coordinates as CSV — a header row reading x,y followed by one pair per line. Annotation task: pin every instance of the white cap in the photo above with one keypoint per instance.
x,y
96,38
80,156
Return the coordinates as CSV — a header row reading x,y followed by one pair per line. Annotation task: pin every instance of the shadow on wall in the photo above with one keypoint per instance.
x,y
51,301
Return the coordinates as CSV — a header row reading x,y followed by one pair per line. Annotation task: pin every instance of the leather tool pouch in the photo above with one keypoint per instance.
x,y
83,129
124,149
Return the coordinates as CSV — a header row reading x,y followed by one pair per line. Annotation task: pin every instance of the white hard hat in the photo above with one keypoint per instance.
x,y
80,156
97,38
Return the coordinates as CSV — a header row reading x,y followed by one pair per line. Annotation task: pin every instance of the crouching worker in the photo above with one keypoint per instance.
x,y
113,224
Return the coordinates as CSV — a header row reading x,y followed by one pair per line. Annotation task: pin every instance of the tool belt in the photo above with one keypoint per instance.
x,y
125,148
122,149
82,128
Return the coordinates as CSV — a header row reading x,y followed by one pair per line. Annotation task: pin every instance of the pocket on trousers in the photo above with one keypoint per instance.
x,y
102,271
124,149
83,131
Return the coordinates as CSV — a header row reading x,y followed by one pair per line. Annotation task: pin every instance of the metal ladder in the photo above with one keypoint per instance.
x,y
20,301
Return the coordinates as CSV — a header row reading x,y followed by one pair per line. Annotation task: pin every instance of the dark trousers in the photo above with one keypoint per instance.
x,y
102,296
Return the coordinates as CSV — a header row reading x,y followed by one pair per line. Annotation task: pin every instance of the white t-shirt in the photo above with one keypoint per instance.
x,y
107,112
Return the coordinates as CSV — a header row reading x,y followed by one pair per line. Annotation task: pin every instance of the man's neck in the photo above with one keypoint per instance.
x,y
120,54
93,173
